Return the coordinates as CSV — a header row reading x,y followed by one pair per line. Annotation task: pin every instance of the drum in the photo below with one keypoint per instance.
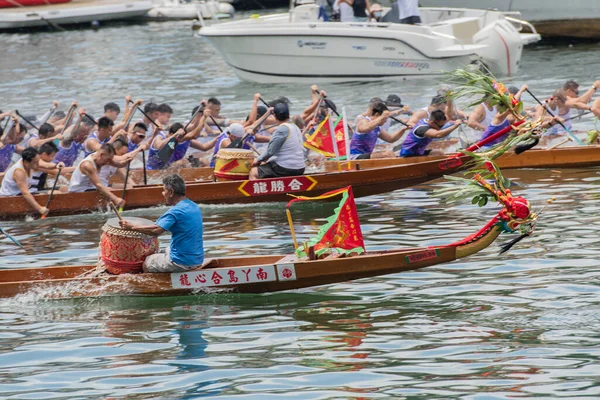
x,y
233,164
124,251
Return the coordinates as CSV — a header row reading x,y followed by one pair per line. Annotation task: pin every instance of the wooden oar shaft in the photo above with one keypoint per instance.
x,y
144,165
215,122
26,120
114,208
149,119
125,183
52,191
545,106
15,241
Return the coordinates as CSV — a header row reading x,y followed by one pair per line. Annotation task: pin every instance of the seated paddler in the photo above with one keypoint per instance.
x,y
369,128
285,153
424,132
184,221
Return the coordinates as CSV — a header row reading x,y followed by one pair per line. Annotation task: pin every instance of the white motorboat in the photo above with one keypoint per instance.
x,y
180,9
575,18
298,46
75,12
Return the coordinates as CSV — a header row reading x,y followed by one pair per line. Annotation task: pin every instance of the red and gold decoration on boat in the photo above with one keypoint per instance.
x,y
488,184
341,235
124,251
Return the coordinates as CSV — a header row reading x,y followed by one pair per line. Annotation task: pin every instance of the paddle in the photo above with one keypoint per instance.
x,y
264,102
52,191
88,116
149,119
545,106
15,241
144,165
26,120
114,208
69,118
125,184
167,150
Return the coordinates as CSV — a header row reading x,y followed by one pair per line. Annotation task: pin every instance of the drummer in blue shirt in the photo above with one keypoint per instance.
x,y
184,221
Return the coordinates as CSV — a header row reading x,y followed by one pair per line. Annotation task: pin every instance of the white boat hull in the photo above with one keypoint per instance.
x,y
277,59
72,13
273,49
173,10
551,18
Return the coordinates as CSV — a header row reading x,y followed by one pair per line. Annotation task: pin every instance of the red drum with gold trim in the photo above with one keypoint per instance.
x,y
233,164
124,251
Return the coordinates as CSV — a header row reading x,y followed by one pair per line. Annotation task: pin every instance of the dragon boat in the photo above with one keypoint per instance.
x,y
364,182
564,157
337,254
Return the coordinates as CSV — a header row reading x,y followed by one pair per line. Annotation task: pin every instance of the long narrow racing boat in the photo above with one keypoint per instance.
x,y
364,182
565,157
258,274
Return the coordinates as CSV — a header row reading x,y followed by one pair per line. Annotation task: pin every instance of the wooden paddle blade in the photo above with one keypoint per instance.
x,y
236,144
167,150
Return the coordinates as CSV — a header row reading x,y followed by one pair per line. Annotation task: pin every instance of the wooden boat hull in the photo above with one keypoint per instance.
x,y
256,274
566,157
364,183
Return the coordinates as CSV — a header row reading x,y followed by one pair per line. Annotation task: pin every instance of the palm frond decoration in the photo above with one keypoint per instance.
x,y
482,86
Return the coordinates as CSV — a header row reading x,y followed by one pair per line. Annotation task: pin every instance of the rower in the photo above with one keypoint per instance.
x,y
112,111
100,137
10,143
184,221
85,177
151,110
46,166
46,134
233,132
136,136
18,179
503,119
71,145
117,168
424,132
437,103
482,115
369,129
285,153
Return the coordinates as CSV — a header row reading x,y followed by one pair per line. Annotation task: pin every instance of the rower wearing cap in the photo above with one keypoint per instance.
x,y
369,127
437,103
285,153
233,132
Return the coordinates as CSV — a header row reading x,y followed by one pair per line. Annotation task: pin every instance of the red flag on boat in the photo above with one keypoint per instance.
x,y
342,232
321,139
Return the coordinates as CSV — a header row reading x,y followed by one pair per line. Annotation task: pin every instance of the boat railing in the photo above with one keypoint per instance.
x,y
518,23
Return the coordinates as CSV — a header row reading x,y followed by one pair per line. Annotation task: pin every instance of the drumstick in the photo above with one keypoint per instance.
x,y
112,205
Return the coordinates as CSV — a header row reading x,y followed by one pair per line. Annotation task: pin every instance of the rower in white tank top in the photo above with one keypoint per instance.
x,y
79,181
9,186
106,173
489,115
557,129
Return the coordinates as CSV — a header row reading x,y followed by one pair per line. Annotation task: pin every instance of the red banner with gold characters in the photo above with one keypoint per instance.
x,y
342,232
321,142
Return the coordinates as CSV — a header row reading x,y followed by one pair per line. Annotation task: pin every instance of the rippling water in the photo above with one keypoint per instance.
x,y
519,325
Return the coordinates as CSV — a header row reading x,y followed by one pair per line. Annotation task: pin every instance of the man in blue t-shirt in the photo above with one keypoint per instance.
x,y
184,221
